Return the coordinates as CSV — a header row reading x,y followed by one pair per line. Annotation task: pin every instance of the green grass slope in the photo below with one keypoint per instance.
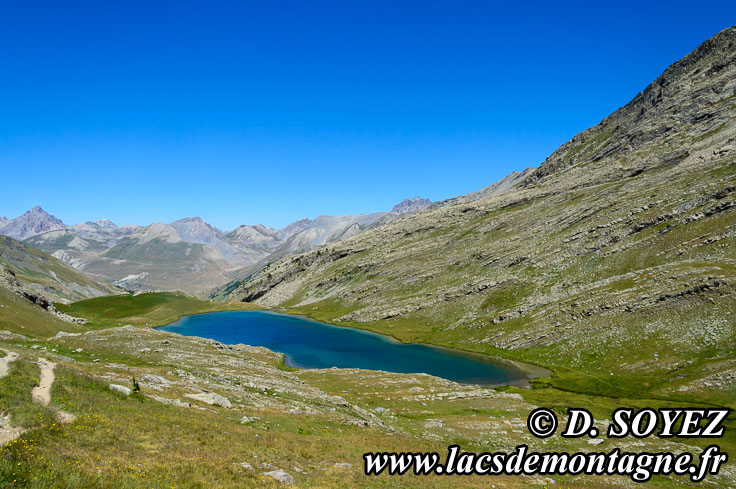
x,y
20,316
46,274
148,309
314,424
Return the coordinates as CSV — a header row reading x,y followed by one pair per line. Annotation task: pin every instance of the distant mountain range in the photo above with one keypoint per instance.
x,y
188,254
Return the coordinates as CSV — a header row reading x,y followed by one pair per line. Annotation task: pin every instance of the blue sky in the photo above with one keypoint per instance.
x,y
267,112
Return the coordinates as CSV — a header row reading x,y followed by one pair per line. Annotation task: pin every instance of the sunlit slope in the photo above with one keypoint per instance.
x,y
614,262
149,309
46,274
314,425
19,316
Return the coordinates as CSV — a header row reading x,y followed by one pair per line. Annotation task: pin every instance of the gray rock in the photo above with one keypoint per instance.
x,y
34,221
63,334
281,476
212,399
245,465
120,388
8,335
155,379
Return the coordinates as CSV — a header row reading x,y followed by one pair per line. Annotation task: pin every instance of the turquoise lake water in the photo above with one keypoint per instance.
x,y
311,344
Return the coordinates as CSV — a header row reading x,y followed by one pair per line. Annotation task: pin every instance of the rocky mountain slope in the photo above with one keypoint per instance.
x,y
42,279
258,240
325,229
504,185
614,262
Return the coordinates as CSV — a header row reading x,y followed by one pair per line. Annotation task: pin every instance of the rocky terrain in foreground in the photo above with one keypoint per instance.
x,y
260,424
615,258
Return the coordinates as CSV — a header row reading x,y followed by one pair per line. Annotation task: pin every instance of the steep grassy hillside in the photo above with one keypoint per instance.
x,y
47,275
614,263
20,316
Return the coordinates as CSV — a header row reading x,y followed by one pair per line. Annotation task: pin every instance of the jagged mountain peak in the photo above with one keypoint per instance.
x,y
196,219
415,204
37,209
106,224
195,227
32,222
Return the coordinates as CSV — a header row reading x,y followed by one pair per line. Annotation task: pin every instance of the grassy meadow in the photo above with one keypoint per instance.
x,y
136,441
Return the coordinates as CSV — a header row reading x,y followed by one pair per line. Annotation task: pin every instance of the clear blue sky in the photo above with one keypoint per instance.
x,y
267,112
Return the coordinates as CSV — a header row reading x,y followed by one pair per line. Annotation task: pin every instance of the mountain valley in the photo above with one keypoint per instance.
x,y
610,270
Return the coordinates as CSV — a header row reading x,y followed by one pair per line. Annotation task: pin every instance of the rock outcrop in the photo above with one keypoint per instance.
x,y
411,205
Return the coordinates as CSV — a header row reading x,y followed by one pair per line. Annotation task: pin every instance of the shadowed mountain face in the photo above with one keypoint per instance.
x,y
616,254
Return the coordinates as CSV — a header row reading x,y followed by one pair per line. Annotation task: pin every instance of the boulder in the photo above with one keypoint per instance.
x,y
281,476
245,465
120,388
212,399
62,334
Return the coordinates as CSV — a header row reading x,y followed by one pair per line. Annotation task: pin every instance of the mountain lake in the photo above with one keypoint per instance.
x,y
310,344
